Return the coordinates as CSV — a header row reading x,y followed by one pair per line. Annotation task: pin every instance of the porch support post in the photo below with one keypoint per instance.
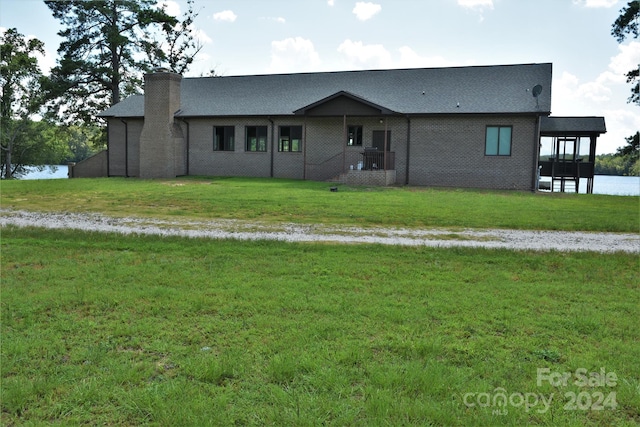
x,y
592,159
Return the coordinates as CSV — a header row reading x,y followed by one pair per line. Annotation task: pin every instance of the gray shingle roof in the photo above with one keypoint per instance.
x,y
455,90
575,126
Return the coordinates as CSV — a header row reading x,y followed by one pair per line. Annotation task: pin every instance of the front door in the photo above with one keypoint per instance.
x,y
378,140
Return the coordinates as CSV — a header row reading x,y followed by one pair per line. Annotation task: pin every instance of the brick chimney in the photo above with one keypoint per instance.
x,y
158,138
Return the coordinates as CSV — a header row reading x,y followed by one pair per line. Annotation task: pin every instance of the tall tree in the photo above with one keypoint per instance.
x,y
627,25
180,46
108,45
20,76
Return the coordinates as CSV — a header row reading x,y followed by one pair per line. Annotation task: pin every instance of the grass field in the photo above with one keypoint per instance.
x,y
104,329
312,202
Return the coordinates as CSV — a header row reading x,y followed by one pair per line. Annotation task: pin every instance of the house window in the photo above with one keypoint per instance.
x,y
354,135
290,138
256,138
223,137
498,141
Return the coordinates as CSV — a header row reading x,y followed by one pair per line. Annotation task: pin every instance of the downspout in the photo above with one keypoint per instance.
x,y
344,143
108,144
536,156
187,146
126,148
386,146
272,144
304,149
406,180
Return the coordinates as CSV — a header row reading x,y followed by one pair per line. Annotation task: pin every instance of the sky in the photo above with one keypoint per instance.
x,y
244,37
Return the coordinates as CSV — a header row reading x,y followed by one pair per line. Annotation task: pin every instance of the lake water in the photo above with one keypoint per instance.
x,y
602,184
616,185
49,172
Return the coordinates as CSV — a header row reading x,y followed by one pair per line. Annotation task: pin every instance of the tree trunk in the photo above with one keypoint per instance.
x,y
7,160
115,59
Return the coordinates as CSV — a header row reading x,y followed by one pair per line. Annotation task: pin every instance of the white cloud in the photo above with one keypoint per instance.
x,y
225,15
331,2
293,55
596,3
279,19
599,90
170,6
411,59
620,123
370,56
476,4
626,60
367,56
569,91
366,10
201,36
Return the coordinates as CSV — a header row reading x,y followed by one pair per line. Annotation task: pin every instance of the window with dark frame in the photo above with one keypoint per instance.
x,y
354,135
223,138
498,141
256,138
290,139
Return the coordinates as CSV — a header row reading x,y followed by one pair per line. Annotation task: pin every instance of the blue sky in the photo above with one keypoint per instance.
x,y
284,36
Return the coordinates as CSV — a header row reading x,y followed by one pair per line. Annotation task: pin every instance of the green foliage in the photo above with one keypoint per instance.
x,y
623,27
632,148
612,164
34,144
180,45
627,23
139,330
281,200
626,161
107,46
39,143
20,101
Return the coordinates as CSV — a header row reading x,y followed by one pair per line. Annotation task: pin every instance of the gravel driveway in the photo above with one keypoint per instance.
x,y
289,232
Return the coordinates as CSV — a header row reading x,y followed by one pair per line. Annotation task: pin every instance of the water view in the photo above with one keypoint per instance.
x,y
602,184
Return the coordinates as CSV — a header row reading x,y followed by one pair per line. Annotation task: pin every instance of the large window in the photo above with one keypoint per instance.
x,y
498,141
256,138
290,138
354,135
223,137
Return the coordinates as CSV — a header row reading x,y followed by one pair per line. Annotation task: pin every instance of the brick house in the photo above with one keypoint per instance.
x,y
456,127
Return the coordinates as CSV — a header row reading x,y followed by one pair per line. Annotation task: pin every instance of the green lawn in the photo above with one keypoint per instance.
x,y
312,202
102,329
105,329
